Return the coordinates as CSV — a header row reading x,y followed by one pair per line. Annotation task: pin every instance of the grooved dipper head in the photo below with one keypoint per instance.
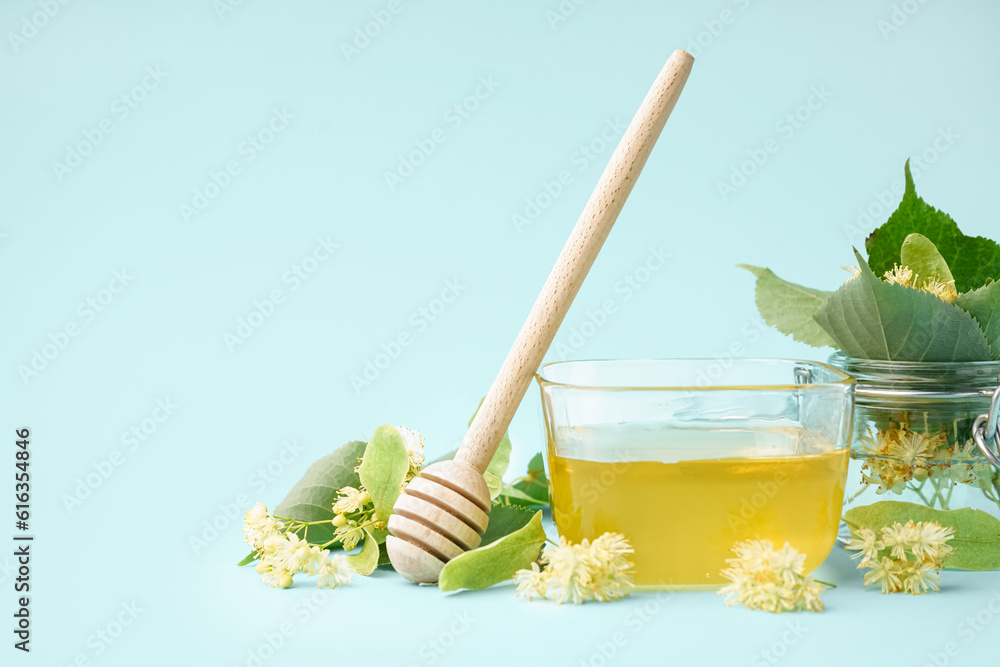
x,y
442,514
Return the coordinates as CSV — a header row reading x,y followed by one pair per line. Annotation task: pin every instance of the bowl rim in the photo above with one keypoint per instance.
x,y
845,379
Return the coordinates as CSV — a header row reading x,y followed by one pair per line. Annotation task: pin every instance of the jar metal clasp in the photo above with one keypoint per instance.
x,y
986,431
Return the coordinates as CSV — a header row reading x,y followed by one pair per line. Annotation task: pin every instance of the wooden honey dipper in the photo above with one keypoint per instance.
x,y
443,511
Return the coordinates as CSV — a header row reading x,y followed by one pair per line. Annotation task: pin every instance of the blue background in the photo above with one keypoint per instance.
x,y
880,92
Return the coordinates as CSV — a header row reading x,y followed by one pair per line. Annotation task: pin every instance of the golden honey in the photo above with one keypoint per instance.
x,y
683,498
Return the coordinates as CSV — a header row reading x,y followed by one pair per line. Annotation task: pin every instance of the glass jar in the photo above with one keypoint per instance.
x,y
914,433
686,458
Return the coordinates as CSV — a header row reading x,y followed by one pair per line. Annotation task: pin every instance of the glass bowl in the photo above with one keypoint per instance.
x,y
687,457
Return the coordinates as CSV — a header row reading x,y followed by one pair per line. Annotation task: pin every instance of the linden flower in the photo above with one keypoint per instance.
x,y
531,583
333,571
966,466
967,451
611,580
903,275
853,270
910,448
349,535
943,290
272,567
929,541
884,571
769,579
920,578
867,545
568,576
414,447
903,557
576,573
789,562
897,538
258,526
294,553
255,514
270,572
900,275
283,555
897,455
878,468
350,500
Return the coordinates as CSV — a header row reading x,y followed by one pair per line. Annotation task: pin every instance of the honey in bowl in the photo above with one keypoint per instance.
x,y
683,497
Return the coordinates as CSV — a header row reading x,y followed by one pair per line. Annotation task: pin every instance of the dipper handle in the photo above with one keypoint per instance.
x,y
575,260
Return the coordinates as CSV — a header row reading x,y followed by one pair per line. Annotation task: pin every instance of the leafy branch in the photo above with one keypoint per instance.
x,y
926,293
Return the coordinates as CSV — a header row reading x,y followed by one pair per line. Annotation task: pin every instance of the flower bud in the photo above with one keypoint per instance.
x,y
340,521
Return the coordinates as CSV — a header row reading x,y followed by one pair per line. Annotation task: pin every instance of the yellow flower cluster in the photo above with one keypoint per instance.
x,y
353,507
770,579
258,526
575,573
283,554
894,456
414,448
902,275
903,558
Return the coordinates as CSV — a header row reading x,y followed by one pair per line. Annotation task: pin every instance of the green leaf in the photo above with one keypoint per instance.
x,y
384,468
312,497
972,259
383,556
496,562
872,319
788,307
504,520
501,459
250,557
535,484
984,305
365,561
977,533
494,484
922,257
513,496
